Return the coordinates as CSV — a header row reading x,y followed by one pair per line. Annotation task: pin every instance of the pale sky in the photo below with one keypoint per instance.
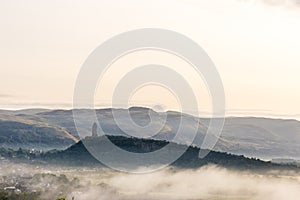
x,y
255,46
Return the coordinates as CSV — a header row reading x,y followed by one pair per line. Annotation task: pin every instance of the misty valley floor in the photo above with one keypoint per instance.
x,y
207,182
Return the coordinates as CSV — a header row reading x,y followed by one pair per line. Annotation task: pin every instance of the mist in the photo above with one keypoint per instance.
x,y
208,182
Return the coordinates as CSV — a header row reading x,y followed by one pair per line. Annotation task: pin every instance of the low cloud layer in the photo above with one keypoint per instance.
x,y
208,182
205,183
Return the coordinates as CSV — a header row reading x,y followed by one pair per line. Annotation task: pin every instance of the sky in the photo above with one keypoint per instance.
x,y
254,45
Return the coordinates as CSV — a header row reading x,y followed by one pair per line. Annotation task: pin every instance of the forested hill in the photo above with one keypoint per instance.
x,y
78,155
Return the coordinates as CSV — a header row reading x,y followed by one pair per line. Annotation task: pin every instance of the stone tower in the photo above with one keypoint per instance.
x,y
94,130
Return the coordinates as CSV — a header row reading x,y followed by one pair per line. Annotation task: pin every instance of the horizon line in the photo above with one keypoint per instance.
x,y
256,113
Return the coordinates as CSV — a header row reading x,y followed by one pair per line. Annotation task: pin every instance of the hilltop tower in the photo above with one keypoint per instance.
x,y
94,130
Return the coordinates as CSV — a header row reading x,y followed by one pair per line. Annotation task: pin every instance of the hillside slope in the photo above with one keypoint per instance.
x,y
78,155
250,136
17,132
254,137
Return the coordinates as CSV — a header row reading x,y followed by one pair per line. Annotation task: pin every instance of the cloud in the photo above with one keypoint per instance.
x,y
209,182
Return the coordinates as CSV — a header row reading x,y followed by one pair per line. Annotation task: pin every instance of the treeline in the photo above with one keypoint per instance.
x,y
78,155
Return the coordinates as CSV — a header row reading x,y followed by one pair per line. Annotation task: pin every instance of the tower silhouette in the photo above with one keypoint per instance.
x,y
94,130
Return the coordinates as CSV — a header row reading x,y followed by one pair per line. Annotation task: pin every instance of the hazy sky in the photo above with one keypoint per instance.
x,y
255,46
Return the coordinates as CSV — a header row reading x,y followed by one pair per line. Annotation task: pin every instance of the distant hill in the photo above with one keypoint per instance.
x,y
78,155
34,133
32,111
250,136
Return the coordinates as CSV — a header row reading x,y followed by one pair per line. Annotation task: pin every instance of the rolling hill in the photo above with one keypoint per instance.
x,y
77,155
17,132
254,137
